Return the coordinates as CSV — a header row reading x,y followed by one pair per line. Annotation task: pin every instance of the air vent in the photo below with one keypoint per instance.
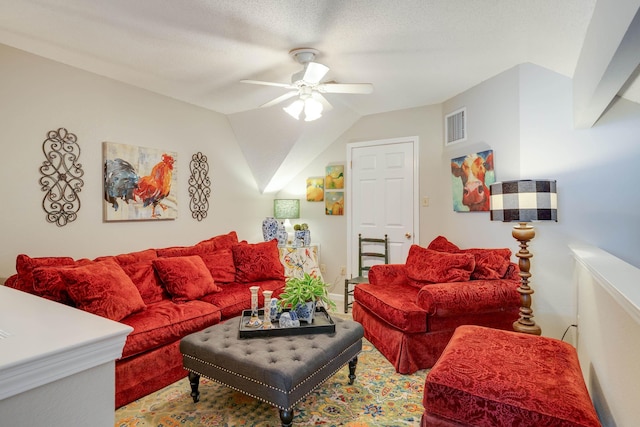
x,y
4,334
455,127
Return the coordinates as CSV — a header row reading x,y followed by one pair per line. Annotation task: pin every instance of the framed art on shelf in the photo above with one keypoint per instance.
x,y
139,183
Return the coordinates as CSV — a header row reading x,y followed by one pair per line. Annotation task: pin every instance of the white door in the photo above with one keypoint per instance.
x,y
382,196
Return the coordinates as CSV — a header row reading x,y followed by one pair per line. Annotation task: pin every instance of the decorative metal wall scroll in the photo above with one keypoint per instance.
x,y
199,186
61,178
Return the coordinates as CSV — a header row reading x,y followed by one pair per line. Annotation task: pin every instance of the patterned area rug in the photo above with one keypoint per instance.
x,y
379,397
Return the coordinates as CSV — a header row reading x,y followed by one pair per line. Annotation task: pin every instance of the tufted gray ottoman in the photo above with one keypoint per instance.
x,y
278,370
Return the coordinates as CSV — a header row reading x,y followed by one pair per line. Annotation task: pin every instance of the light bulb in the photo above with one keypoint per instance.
x,y
312,109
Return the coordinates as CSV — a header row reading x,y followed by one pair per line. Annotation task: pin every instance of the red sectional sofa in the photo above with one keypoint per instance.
x,y
164,294
410,311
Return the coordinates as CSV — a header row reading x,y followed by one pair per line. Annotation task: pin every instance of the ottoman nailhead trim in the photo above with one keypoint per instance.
x,y
267,385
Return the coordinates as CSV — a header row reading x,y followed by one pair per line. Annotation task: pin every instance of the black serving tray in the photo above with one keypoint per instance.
x,y
322,324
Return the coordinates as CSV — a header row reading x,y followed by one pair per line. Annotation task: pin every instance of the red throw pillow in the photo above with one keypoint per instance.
x,y
186,278
224,241
220,265
429,266
25,266
257,261
490,263
102,288
441,244
144,276
180,251
131,257
48,283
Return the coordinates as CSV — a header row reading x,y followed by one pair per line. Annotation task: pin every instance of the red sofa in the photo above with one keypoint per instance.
x,y
410,311
164,294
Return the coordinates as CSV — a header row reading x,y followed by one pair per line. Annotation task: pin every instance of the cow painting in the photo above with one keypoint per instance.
x,y
471,177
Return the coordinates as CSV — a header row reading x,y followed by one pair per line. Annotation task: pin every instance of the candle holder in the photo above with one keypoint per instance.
x,y
254,320
266,322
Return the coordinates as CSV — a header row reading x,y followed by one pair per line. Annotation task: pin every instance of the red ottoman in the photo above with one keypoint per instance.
x,y
490,377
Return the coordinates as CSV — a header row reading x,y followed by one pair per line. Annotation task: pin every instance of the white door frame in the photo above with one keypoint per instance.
x,y
415,141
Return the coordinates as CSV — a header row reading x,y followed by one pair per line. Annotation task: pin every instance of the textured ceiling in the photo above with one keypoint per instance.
x,y
415,52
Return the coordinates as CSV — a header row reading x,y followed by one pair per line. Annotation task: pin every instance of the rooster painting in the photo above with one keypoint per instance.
x,y
141,193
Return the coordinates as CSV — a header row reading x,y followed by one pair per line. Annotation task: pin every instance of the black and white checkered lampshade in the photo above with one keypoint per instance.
x,y
524,201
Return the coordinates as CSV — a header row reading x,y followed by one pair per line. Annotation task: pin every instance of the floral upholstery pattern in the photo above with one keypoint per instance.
x,y
409,311
257,261
223,241
490,263
144,276
297,261
454,299
186,278
128,288
442,244
489,377
102,288
220,265
26,264
428,266
48,283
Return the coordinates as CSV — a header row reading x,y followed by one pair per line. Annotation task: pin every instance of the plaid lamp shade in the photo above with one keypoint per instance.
x,y
524,201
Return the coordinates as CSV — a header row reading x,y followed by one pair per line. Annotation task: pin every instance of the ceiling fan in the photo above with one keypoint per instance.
x,y
307,87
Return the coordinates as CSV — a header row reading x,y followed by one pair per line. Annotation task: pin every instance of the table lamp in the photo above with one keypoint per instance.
x,y
524,201
287,209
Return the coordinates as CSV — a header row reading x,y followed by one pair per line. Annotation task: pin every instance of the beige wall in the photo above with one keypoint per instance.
x,y
38,95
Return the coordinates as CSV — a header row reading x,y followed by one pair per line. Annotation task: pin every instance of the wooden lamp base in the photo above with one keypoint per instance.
x,y
523,233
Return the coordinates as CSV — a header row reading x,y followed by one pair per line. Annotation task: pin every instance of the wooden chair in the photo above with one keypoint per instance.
x,y
362,268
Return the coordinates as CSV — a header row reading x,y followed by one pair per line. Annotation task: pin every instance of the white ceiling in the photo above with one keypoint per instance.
x,y
415,52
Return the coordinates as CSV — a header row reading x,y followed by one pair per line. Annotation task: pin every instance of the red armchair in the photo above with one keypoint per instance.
x,y
410,318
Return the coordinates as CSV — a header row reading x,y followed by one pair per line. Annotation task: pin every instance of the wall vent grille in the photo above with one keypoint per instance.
x,y
455,126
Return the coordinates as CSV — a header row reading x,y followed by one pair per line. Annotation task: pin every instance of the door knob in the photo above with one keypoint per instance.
x,y
407,235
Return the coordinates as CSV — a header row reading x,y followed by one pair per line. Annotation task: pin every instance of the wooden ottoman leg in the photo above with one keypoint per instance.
x,y
194,381
286,417
352,369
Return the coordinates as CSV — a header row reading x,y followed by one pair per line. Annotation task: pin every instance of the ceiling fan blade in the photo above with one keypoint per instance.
x,y
279,99
259,82
358,88
325,104
314,72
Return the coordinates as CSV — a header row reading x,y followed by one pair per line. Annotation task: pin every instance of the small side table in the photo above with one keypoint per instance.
x,y
300,260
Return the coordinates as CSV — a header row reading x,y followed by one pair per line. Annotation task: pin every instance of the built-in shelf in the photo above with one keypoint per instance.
x,y
620,279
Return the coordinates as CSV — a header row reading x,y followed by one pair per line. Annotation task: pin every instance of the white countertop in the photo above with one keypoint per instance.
x,y
620,279
42,341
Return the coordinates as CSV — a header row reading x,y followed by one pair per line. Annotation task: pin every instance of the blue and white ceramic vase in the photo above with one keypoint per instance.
x,y
273,309
282,235
270,228
303,237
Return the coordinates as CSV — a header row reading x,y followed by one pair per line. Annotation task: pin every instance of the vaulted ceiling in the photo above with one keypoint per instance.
x,y
414,52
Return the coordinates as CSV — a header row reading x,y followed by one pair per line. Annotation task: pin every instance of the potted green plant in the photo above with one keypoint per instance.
x,y
305,292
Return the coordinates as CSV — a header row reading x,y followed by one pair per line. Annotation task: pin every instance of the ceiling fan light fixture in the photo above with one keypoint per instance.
x,y
295,108
312,109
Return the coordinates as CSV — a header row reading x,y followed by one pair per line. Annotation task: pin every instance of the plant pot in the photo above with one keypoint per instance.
x,y
305,311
